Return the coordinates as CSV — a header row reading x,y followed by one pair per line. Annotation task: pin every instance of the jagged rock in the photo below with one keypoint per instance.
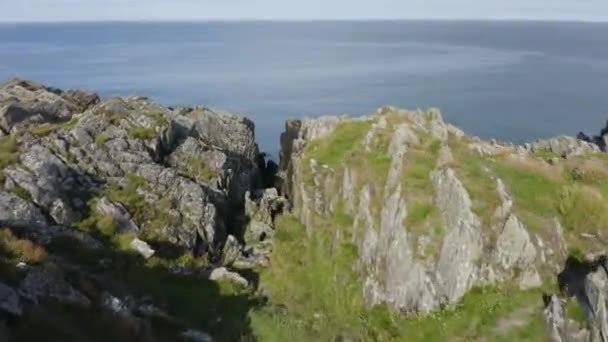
x,y
222,274
530,279
565,146
9,300
115,305
197,336
14,209
142,248
407,284
555,318
601,140
264,206
49,283
402,137
231,251
52,184
120,216
24,102
462,246
596,291
513,246
258,232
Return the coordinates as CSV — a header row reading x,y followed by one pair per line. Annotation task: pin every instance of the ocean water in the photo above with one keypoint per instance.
x,y
514,81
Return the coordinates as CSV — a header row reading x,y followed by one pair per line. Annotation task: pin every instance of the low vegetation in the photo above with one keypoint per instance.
x,y
20,250
142,133
316,295
423,217
476,175
340,145
101,139
9,154
198,169
43,130
159,118
22,193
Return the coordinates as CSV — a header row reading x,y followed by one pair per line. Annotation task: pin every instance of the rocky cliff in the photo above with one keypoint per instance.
x,y
435,215
88,185
125,220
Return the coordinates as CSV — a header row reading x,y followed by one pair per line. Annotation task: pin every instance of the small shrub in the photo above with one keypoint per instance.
x,y
198,169
101,139
22,193
9,151
44,129
142,133
114,118
9,154
159,118
574,311
21,249
72,123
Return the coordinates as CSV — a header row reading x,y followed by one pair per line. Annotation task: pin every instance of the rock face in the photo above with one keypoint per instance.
x,y
430,213
86,175
127,154
23,102
566,146
433,220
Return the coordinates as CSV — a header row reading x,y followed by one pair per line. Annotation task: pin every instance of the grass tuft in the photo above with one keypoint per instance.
x,y
142,133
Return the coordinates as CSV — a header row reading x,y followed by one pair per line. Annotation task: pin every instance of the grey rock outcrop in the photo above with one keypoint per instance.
x,y
462,244
192,165
48,283
16,209
565,146
601,139
118,214
24,102
9,301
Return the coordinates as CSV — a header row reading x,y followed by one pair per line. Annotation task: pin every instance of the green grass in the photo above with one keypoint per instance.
x,y
546,155
114,118
198,169
142,133
72,123
421,161
475,173
316,296
423,217
44,129
22,193
582,209
159,118
574,311
418,213
101,139
9,154
342,143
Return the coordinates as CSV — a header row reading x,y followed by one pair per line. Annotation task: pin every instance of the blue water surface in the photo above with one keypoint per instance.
x,y
514,81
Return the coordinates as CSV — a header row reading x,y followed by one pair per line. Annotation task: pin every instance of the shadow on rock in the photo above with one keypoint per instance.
x,y
130,299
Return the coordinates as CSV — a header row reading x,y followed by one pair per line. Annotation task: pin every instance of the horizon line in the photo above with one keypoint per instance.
x,y
298,20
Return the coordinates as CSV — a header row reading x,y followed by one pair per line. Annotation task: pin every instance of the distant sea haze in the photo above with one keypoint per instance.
x,y
515,81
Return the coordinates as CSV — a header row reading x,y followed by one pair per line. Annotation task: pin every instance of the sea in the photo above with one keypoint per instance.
x,y
509,80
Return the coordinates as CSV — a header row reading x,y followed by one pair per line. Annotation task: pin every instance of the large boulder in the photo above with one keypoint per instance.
x,y
24,102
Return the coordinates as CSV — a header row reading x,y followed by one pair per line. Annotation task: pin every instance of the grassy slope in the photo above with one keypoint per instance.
x,y
316,296
315,293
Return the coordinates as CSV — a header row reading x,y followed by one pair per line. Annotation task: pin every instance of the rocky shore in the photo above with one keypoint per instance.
x,y
125,220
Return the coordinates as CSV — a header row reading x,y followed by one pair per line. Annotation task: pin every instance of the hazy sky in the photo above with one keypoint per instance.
x,y
59,10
